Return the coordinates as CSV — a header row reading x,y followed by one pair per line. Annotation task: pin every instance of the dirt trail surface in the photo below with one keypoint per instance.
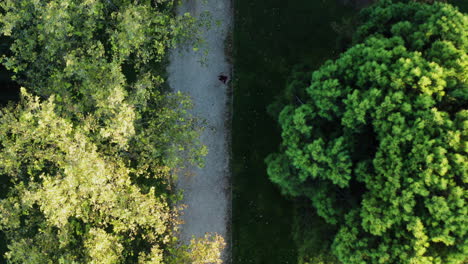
x,y
207,192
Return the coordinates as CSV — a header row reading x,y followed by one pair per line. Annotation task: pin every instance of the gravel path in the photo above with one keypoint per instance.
x,y
207,193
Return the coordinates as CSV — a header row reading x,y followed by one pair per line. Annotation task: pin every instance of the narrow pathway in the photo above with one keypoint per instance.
x,y
207,192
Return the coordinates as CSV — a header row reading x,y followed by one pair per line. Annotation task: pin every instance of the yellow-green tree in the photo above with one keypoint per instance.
x,y
378,139
90,151
69,203
105,59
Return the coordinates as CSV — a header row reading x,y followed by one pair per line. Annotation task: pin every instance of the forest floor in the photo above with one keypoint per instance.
x,y
207,190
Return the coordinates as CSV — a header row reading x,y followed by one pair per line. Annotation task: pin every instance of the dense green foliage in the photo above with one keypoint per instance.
x,y
67,195
91,149
377,138
104,58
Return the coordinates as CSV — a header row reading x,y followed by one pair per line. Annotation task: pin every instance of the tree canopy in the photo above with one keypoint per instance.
x,y
377,139
91,151
103,58
66,195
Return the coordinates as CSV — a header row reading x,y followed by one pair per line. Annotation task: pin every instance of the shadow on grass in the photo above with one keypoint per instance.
x,y
270,37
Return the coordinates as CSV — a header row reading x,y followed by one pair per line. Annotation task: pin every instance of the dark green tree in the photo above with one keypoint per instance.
x,y
378,140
